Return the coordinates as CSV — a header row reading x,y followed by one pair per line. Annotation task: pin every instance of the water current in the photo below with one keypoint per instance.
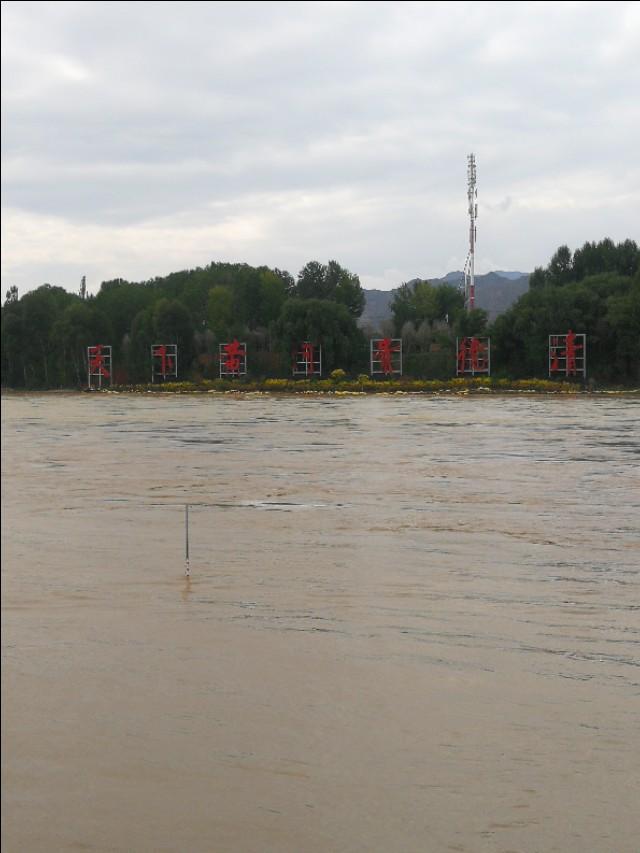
x,y
411,624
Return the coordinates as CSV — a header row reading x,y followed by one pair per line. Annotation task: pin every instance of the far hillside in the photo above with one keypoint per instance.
x,y
495,293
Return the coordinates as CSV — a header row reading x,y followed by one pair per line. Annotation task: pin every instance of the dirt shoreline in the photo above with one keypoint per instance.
x,y
345,392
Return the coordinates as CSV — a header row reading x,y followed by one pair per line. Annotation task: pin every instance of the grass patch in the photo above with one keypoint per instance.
x,y
361,385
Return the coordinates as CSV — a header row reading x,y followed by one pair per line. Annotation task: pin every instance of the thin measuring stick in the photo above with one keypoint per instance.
x,y
186,539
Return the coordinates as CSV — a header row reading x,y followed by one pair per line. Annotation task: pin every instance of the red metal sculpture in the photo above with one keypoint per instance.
x,y
568,354
307,360
164,361
386,356
233,358
99,364
473,356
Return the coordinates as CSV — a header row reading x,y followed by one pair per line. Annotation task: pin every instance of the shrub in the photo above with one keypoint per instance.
x,y
276,384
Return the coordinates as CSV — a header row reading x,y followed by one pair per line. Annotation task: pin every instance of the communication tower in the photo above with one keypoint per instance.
x,y
83,287
469,265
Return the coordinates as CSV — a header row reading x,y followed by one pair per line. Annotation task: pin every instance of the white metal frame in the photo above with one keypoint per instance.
x,y
170,353
241,355
302,366
558,355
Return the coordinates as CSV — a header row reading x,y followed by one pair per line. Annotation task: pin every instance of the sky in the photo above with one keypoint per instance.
x,y
139,139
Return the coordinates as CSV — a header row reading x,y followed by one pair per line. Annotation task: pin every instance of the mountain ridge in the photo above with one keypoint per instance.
x,y
496,291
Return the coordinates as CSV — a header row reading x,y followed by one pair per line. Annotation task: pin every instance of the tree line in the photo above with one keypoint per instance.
x,y
596,290
46,332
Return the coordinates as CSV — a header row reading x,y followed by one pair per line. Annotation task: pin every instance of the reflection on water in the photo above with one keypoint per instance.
x,y
411,623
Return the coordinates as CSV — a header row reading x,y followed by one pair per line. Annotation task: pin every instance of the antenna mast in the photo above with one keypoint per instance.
x,y
469,266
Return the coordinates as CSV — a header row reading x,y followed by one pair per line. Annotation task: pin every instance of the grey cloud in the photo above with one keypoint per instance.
x,y
123,115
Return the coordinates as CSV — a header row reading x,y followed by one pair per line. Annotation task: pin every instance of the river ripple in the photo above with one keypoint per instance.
x,y
412,623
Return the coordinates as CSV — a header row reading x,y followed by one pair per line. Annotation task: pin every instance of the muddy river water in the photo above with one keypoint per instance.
x,y
412,624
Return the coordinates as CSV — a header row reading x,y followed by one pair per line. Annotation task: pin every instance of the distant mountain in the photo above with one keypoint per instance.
x,y
495,292
377,308
512,276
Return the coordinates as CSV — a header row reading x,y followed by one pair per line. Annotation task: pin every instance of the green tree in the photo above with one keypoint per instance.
x,y
220,311
627,258
560,269
403,307
327,324
287,280
119,301
449,303
419,301
138,358
331,282
472,323
312,283
247,297
537,279
274,293
172,324
426,302
345,288
78,327
40,310
12,340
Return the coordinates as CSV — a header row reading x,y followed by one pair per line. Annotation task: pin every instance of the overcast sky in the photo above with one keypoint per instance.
x,y
143,138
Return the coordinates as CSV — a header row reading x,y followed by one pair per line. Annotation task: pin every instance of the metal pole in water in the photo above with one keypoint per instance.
x,y
186,540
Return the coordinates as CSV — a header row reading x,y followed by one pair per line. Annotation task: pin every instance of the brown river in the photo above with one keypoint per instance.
x,y
412,624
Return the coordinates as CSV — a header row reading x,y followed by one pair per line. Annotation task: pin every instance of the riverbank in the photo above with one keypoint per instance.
x,y
478,385
362,385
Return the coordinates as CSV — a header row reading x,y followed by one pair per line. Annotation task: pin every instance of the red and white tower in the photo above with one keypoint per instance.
x,y
469,266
